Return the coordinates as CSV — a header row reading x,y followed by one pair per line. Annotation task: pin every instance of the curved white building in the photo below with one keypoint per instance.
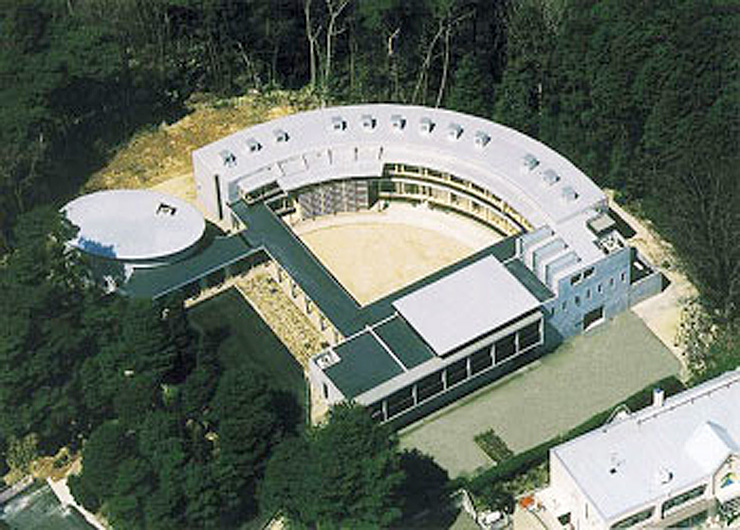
x,y
136,227
562,268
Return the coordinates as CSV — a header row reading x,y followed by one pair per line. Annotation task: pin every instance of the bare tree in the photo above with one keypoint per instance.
x,y
334,9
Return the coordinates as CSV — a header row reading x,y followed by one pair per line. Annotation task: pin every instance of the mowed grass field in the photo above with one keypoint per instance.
x,y
250,342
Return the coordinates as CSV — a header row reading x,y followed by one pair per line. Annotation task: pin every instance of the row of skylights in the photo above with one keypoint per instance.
x,y
398,123
549,177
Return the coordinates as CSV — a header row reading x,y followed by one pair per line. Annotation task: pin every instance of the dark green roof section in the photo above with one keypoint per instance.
x,y
265,229
528,279
364,364
404,342
157,281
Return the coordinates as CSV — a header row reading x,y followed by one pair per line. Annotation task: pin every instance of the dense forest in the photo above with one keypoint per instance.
x,y
643,96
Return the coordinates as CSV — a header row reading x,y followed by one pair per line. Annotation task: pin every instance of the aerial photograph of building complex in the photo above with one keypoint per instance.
x,y
436,264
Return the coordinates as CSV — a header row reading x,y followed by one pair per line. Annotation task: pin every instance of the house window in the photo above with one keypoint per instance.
x,y
577,300
634,520
588,294
623,277
600,288
588,273
505,348
683,498
611,283
575,279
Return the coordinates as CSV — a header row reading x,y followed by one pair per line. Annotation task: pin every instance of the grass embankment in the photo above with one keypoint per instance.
x,y
249,341
161,153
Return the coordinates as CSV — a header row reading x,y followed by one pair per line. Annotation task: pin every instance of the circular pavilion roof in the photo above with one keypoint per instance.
x,y
134,225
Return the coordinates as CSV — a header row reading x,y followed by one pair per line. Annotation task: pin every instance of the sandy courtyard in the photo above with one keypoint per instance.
x,y
373,254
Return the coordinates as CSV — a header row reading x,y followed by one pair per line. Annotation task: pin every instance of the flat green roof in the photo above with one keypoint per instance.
x,y
364,364
529,280
157,281
264,229
404,342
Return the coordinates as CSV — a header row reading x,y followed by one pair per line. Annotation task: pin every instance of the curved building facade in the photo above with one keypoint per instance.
x,y
562,267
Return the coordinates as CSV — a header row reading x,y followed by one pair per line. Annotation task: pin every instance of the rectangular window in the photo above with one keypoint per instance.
x,y
505,348
376,412
481,360
683,498
456,372
529,336
600,288
635,519
429,386
575,279
399,401
593,317
623,277
588,294
588,273
217,183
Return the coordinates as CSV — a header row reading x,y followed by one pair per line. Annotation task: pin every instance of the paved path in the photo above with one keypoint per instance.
x,y
61,490
586,375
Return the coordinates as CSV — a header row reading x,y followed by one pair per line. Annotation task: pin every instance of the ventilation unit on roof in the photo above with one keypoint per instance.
x,y
338,124
663,476
280,136
426,125
529,162
228,158
549,177
454,131
481,139
327,359
569,194
398,122
368,122
253,145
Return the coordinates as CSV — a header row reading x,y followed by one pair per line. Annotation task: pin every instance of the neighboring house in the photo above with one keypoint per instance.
x,y
673,464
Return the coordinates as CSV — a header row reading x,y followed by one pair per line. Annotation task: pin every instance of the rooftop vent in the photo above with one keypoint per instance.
x,y
228,158
481,139
658,397
327,359
398,122
426,125
529,162
663,476
253,145
338,124
454,130
569,194
368,122
549,177
280,136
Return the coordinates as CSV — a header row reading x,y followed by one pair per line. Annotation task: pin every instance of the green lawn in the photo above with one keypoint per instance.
x,y
250,341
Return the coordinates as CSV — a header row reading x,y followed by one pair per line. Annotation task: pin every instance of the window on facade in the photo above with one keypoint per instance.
x,y
611,283
376,412
588,294
429,386
564,305
505,348
575,279
577,300
456,372
600,288
588,273
529,335
623,277
399,401
683,498
480,360
635,519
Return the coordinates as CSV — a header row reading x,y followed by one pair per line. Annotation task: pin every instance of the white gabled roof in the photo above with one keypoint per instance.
x,y
657,452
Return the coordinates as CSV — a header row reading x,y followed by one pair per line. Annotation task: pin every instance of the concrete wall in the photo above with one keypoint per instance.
x,y
608,286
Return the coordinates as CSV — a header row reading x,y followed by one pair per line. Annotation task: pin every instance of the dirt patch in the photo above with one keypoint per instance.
x,y
158,154
375,253
661,313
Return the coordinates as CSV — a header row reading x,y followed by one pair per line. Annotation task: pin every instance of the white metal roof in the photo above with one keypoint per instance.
x,y
465,305
357,140
659,451
132,225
